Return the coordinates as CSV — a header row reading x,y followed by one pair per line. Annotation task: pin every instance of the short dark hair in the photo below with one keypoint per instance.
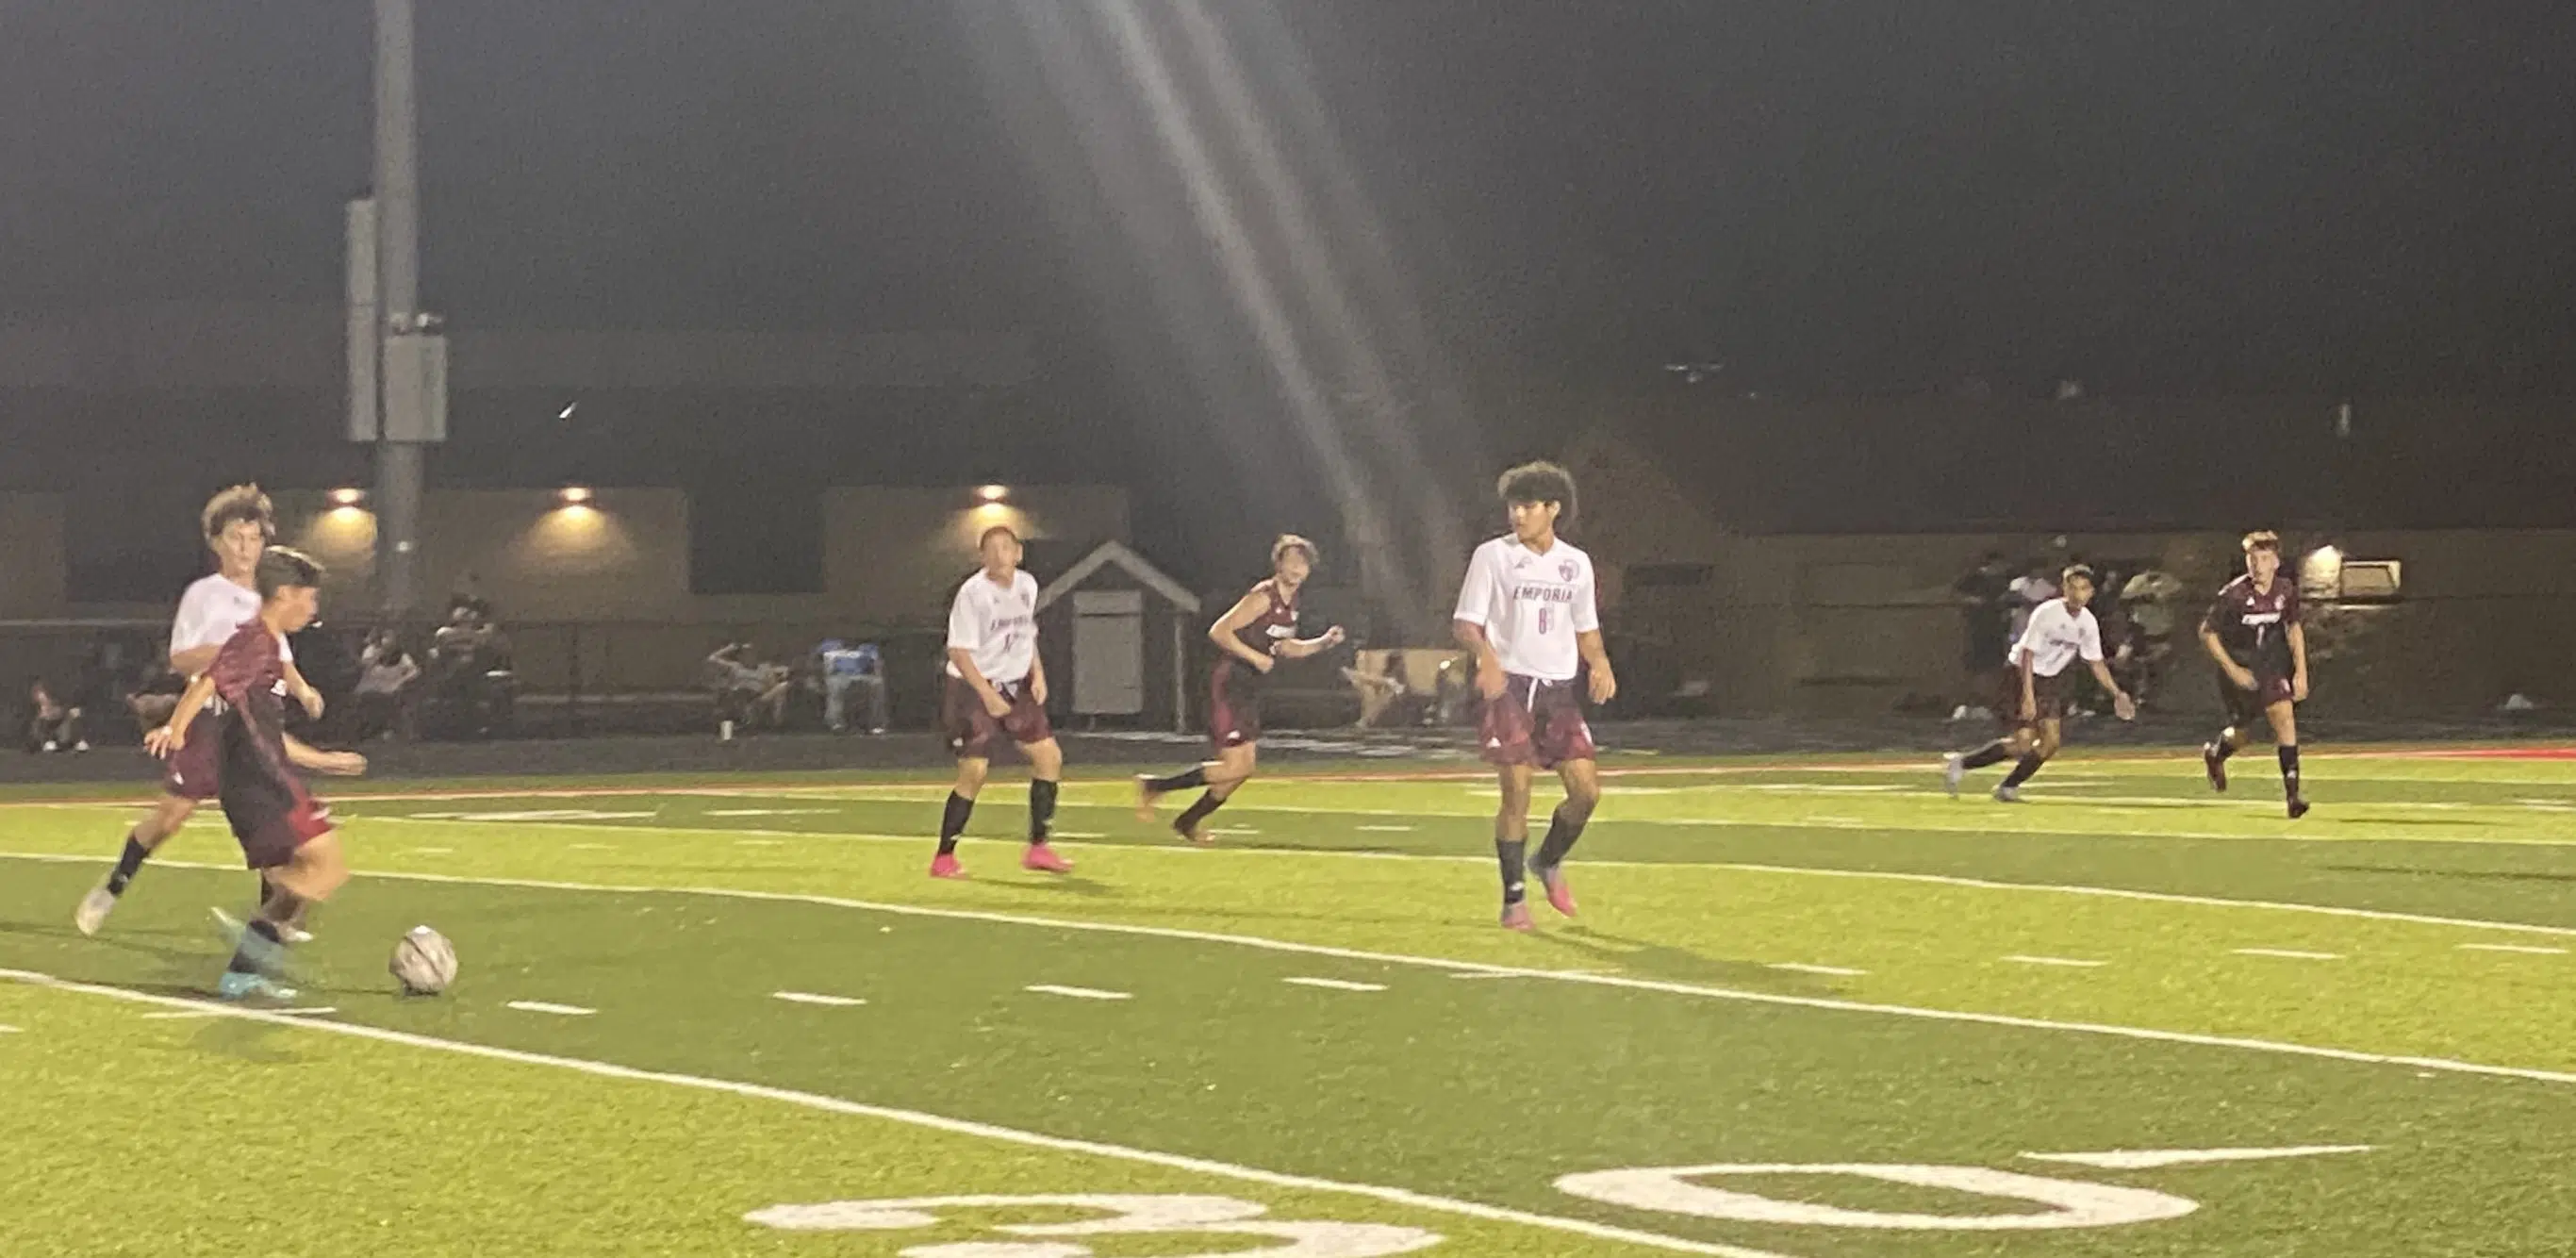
x,y
281,567
2075,570
2262,539
1290,541
234,505
987,535
1541,481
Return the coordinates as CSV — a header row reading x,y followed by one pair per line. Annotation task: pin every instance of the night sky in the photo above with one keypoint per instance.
x,y
2174,198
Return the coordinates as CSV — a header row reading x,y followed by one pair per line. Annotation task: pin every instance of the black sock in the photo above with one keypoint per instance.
x,y
1195,775
261,936
128,864
1041,808
1512,854
2225,744
2022,772
1991,753
1187,824
2290,770
953,822
1562,831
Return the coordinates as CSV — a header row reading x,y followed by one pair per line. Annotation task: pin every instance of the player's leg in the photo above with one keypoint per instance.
x,y
1222,776
2242,706
2042,744
971,772
168,814
1511,841
1046,778
2284,718
2006,695
1582,779
296,871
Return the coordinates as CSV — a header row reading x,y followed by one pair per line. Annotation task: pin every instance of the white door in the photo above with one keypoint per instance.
x,y
1108,652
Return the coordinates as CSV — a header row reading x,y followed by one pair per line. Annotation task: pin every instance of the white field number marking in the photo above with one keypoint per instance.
x,y
1126,1215
1078,993
817,998
2071,1203
1335,984
2151,1159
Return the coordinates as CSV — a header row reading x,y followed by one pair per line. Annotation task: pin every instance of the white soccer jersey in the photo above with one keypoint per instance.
x,y
2057,636
211,609
998,627
1531,605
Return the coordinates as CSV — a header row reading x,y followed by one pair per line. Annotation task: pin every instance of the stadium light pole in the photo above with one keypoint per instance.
x,y
397,360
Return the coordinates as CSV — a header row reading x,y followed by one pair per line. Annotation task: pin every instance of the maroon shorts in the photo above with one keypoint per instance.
x,y
272,819
196,770
1234,706
970,729
2051,695
1535,722
2245,707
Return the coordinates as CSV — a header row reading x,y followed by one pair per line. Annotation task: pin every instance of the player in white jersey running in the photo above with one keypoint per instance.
x,y
996,687
237,524
2061,631
1529,615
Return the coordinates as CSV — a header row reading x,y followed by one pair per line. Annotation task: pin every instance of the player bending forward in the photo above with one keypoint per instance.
x,y
997,686
286,834
2253,632
2061,631
1528,614
1257,632
237,524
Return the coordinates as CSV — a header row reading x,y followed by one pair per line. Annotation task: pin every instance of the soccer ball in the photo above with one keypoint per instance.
x,y
424,962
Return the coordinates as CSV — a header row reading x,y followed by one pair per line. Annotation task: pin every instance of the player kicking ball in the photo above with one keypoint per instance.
x,y
997,688
1253,635
2061,631
2253,632
285,834
1527,613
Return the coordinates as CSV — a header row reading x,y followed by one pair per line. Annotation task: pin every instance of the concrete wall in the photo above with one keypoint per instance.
x,y
31,556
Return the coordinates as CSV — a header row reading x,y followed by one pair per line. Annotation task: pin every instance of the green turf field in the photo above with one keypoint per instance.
x,y
1813,1011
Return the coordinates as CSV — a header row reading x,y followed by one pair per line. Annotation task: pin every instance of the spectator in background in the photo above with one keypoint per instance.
x,y
385,675
1378,688
848,667
748,691
52,724
2029,590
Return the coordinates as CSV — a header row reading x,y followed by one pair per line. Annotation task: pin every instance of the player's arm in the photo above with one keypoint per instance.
x,y
1225,633
1037,668
964,659
2298,636
173,735
2242,677
1596,657
1478,599
2122,705
303,691
193,660
1300,648
347,764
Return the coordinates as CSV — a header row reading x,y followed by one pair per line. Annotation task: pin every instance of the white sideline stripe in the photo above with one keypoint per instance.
x,y
759,842
1473,969
817,998
184,1013
935,1122
1834,971
6,1029
1796,871
542,1006
594,847
1335,984
1078,993
431,851
2525,949
2292,954
1387,829
2070,962
773,812
315,1012
2150,1159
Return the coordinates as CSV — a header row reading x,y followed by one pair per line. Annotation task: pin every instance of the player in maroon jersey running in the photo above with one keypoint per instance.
x,y
1257,632
2253,632
285,834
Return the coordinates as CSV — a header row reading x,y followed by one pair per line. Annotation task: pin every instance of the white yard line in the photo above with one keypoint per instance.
x,y
1831,971
1077,993
1335,984
1465,969
818,998
2151,1159
2525,949
935,1122
543,1006
2289,954
2071,963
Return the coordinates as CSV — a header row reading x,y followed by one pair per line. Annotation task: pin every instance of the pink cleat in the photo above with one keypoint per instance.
x,y
1517,917
1560,893
1042,859
945,865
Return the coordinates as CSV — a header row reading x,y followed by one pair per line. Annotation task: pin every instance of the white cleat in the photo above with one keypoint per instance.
x,y
295,934
1954,770
93,910
2007,794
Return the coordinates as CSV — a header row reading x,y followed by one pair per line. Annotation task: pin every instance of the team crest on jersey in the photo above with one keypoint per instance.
x,y
1565,570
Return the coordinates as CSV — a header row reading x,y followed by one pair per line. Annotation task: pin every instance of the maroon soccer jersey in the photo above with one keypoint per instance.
x,y
250,677
2254,625
1270,628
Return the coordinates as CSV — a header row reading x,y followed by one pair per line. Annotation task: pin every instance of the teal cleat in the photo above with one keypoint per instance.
x,y
237,986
